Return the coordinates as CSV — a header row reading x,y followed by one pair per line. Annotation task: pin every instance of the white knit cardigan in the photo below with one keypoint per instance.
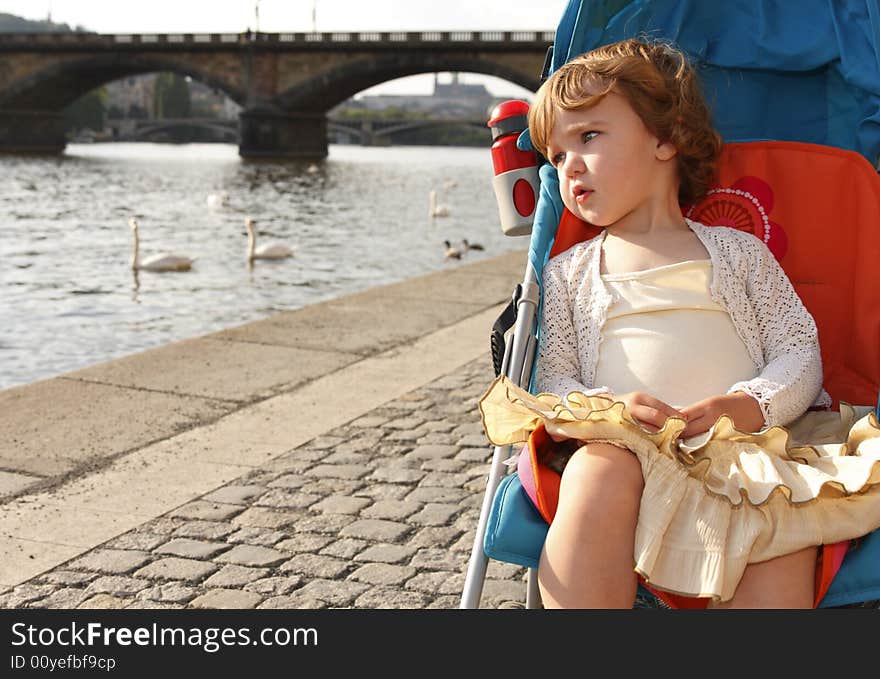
x,y
747,281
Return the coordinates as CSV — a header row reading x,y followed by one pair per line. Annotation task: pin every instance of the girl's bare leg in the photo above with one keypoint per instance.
x,y
784,582
587,560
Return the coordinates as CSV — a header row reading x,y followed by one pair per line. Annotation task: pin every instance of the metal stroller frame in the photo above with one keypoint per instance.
x,y
516,364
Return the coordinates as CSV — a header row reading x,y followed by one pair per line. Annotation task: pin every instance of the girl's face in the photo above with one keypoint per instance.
x,y
611,168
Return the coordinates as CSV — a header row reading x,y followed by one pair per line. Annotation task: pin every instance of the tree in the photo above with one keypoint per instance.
x,y
10,23
171,97
87,111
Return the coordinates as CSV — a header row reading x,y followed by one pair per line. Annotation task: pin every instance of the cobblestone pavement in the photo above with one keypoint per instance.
x,y
378,514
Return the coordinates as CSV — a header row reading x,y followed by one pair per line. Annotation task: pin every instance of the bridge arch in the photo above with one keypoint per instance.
x,y
60,83
329,89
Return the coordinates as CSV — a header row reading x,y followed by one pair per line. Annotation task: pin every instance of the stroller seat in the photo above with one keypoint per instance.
x,y
827,247
824,239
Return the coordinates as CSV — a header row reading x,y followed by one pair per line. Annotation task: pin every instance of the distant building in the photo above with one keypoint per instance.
x,y
132,96
460,98
454,99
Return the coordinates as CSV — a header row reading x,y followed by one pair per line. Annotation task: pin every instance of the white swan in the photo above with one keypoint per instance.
x,y
161,262
217,200
451,252
435,209
268,251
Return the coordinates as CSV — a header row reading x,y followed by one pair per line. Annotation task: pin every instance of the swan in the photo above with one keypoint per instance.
x,y
467,245
437,210
217,200
451,252
161,262
269,251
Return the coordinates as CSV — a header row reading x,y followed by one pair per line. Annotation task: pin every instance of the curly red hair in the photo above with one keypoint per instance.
x,y
662,87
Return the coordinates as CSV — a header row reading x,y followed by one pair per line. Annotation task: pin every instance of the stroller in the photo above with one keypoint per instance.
x,y
795,93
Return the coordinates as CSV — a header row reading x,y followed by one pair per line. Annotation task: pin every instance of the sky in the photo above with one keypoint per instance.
x,y
234,16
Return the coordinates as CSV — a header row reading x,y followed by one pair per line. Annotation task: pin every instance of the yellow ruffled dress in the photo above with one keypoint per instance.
x,y
713,503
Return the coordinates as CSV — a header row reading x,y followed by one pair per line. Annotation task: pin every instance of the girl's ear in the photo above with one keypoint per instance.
x,y
665,150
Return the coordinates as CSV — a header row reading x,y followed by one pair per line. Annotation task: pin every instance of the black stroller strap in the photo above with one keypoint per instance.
x,y
502,324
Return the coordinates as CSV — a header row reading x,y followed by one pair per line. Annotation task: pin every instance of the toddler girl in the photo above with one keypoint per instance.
x,y
680,360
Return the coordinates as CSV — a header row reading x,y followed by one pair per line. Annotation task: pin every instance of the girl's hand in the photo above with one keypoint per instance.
x,y
742,408
648,411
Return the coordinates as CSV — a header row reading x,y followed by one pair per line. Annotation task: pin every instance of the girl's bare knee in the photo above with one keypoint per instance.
x,y
604,463
588,555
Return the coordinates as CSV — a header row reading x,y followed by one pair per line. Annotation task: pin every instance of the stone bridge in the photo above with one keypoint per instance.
x,y
144,130
380,132
367,132
285,82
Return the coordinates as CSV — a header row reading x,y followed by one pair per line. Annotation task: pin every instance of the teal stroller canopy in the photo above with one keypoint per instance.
x,y
804,70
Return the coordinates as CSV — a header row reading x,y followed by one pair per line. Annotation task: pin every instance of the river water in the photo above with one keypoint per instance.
x,y
358,219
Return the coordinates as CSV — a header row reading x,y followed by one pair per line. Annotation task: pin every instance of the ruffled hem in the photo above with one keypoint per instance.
x,y
714,503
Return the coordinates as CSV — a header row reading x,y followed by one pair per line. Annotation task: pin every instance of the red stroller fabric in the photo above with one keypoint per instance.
x,y
818,210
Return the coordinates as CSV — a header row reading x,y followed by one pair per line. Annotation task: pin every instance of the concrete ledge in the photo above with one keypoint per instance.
x,y
54,427
211,368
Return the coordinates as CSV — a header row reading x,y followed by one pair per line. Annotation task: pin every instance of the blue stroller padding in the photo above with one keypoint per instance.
x,y
515,531
856,581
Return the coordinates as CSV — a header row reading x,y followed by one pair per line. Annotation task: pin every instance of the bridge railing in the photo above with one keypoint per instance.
x,y
83,39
